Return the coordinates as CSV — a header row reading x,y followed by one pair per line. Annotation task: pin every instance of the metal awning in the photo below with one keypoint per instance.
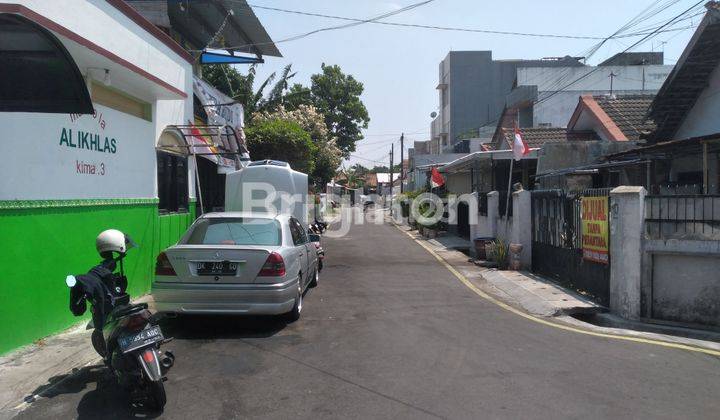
x,y
466,162
590,169
219,144
199,21
693,145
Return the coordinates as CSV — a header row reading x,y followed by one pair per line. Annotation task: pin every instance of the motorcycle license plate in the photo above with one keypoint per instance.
x,y
144,338
224,268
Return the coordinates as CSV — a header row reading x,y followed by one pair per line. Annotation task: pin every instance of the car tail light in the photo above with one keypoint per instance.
x,y
163,266
274,266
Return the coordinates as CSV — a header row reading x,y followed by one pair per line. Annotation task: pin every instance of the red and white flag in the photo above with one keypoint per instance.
x,y
519,147
436,179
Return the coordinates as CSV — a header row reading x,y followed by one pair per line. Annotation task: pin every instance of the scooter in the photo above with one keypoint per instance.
x,y
318,227
126,335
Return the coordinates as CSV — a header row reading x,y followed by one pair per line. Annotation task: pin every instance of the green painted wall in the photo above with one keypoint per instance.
x,y
41,242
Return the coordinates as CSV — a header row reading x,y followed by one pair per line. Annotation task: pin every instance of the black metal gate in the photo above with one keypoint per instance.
x,y
557,243
463,220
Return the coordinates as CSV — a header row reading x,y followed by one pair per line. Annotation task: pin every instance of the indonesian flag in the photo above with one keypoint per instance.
x,y
519,147
436,179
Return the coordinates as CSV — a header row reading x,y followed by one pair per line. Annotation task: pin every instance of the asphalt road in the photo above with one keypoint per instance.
x,y
390,333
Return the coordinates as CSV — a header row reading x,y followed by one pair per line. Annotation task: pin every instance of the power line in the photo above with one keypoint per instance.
x,y
440,28
334,28
594,49
645,38
369,160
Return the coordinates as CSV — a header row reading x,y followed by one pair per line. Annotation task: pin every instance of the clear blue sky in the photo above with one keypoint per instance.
x,y
399,66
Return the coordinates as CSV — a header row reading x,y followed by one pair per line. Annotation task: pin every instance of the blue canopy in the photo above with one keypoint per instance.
x,y
216,58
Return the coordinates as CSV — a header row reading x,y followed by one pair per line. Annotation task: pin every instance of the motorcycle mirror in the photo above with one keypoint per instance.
x,y
130,243
70,281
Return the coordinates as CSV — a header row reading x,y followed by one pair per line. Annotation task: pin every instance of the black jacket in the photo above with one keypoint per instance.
x,y
97,287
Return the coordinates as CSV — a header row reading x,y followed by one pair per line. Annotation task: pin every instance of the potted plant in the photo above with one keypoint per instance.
x,y
500,254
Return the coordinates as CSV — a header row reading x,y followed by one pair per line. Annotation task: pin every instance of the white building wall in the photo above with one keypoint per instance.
x,y
556,108
51,156
549,79
110,29
704,118
45,167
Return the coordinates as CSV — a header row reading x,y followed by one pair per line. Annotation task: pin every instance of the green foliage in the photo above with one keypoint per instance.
x,y
337,96
501,254
240,87
229,81
327,156
296,96
427,210
414,194
282,140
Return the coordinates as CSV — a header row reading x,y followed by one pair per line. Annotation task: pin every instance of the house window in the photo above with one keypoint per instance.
x,y
172,178
38,74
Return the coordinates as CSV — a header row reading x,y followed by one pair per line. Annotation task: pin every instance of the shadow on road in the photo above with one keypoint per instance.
x,y
108,400
210,327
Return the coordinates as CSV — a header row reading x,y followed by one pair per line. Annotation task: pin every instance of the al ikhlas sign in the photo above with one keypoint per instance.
x,y
105,155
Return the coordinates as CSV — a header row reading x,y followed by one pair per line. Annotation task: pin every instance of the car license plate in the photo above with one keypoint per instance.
x,y
219,268
144,338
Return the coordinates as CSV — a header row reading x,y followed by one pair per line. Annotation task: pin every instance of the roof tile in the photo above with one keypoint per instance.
x,y
628,112
537,136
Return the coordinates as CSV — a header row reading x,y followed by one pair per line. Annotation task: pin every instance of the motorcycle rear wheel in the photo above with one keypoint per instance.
x,y
156,391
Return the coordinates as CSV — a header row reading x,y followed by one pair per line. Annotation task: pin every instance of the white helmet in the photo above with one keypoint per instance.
x,y
112,240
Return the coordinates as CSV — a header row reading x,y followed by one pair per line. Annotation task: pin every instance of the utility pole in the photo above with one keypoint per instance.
x,y
402,159
643,75
612,77
392,150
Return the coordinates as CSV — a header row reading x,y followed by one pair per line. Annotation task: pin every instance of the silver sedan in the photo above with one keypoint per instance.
x,y
237,263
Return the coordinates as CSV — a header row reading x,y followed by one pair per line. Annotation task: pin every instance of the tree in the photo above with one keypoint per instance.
x,y
279,139
239,87
296,96
327,156
337,96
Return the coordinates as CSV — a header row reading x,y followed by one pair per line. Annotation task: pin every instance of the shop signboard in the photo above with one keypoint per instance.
x,y
595,232
222,110
106,155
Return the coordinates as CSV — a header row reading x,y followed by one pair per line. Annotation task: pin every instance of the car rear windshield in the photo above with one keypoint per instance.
x,y
235,231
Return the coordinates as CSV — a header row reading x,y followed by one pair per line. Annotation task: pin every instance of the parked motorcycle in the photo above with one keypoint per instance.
x,y
126,335
315,239
318,227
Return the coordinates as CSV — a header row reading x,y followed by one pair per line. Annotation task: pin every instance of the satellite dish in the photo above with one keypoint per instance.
x,y
433,114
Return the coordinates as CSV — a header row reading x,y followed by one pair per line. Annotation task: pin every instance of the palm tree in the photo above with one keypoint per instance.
x,y
240,87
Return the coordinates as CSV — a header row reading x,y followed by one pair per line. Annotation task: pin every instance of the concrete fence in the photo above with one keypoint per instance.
x,y
516,229
663,274
671,278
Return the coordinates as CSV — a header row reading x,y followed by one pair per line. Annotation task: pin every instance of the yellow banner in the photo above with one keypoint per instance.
x,y
595,237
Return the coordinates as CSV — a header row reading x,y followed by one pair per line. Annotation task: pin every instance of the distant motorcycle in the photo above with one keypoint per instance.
x,y
125,335
318,227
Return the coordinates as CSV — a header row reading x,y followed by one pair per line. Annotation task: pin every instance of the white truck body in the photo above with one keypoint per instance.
x,y
246,188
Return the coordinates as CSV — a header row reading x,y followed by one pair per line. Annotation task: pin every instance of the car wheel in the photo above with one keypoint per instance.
x,y
294,314
315,279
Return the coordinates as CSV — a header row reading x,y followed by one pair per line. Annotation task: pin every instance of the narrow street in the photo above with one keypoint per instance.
x,y
390,333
